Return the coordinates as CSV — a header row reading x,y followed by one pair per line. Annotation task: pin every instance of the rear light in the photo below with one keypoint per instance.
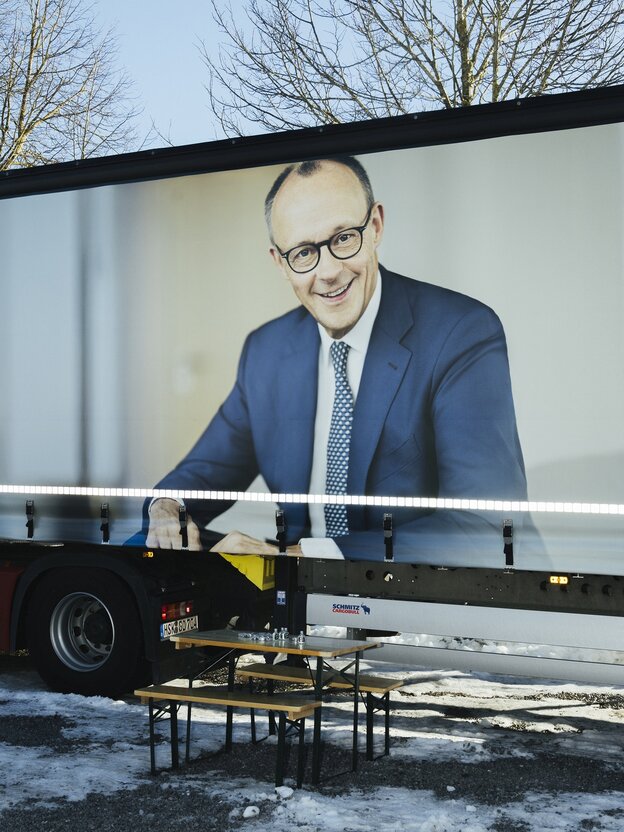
x,y
170,612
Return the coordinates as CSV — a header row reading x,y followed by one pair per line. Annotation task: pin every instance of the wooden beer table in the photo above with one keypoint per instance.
x,y
313,647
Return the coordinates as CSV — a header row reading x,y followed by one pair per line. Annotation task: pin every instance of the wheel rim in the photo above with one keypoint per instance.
x,y
82,631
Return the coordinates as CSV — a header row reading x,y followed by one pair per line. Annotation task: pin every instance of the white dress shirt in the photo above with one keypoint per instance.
x,y
358,339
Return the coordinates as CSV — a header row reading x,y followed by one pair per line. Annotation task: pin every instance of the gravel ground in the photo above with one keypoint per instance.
x,y
172,801
169,803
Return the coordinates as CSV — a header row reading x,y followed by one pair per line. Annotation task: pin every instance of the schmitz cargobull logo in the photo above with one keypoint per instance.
x,y
351,609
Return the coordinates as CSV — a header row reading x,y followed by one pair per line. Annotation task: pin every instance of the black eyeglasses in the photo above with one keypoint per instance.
x,y
342,245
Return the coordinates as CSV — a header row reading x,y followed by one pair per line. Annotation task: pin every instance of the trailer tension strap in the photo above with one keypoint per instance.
x,y
280,524
183,526
30,518
105,525
388,540
508,542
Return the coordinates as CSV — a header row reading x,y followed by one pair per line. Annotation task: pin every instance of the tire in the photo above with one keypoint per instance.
x,y
84,633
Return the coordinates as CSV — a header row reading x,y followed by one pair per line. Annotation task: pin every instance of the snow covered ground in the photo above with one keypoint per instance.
x,y
469,752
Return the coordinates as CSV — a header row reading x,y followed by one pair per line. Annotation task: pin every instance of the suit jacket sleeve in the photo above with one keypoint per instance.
x,y
223,457
476,450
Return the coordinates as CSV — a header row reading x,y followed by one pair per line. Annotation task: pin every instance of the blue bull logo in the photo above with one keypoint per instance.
x,y
366,609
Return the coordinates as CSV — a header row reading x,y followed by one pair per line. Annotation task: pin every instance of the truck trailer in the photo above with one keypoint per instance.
x,y
140,302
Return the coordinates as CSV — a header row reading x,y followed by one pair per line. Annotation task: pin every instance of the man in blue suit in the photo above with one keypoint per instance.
x,y
420,405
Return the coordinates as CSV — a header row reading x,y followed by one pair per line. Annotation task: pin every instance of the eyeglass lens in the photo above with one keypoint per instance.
x,y
343,245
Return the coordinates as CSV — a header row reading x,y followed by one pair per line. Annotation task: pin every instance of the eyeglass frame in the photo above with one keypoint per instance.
x,y
318,246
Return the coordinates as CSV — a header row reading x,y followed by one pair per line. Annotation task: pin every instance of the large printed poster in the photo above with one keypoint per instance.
x,y
165,334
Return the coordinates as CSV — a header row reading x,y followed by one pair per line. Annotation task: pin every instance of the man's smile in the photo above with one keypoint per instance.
x,y
336,294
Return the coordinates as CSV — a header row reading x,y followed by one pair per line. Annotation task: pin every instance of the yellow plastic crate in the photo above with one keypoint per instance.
x,y
256,568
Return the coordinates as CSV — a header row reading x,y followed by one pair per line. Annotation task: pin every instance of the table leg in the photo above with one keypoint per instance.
x,y
229,709
189,672
271,691
316,738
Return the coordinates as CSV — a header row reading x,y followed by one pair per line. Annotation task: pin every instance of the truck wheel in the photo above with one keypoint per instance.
x,y
84,633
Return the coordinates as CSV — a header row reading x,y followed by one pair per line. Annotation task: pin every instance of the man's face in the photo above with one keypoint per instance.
x,y
310,209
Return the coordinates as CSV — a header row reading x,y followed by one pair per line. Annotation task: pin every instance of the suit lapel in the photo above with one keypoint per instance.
x,y
294,427
384,368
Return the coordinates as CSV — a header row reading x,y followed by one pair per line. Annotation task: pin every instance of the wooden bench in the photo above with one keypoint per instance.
x,y
292,710
376,688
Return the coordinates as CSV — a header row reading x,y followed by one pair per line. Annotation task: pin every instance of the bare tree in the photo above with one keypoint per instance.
x,y
60,95
295,63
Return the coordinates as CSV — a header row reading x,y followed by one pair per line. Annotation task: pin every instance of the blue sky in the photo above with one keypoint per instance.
x,y
157,42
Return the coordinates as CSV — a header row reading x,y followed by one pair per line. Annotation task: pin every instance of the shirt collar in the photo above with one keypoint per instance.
x,y
358,337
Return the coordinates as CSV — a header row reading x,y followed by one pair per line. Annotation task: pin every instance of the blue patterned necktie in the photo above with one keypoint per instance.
x,y
338,443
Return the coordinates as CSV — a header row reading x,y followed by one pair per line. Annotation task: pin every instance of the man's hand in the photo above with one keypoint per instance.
x,y
237,543
164,526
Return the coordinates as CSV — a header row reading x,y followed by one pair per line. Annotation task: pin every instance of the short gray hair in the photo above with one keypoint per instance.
x,y
311,166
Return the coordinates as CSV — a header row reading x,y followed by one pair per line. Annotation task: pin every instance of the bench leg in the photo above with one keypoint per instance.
x,y
252,715
173,717
281,743
172,710
370,705
152,737
356,697
228,728
187,750
373,704
301,753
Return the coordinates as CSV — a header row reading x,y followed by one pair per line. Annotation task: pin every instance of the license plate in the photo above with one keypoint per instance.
x,y
175,628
